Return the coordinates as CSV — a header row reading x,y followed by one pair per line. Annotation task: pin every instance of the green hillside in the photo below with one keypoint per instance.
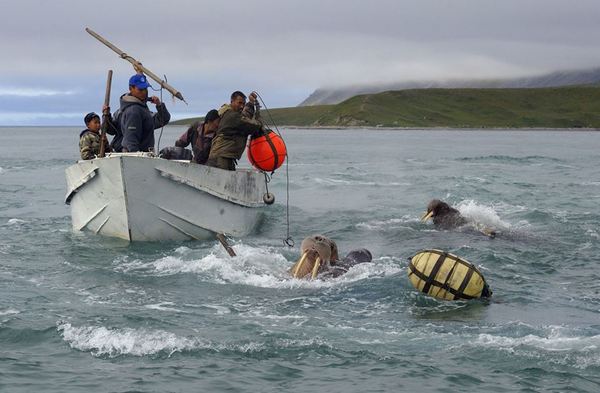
x,y
568,107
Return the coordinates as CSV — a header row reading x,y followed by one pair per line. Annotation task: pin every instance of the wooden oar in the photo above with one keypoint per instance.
x,y
105,114
223,240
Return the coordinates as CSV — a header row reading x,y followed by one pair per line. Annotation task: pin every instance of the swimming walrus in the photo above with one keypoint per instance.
x,y
319,257
446,217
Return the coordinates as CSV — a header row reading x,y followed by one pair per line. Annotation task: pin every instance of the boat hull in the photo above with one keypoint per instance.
x,y
137,197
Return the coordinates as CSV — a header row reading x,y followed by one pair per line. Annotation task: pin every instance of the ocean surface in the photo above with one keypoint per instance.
x,y
83,313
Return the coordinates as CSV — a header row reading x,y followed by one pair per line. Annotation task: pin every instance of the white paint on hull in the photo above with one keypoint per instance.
x,y
137,197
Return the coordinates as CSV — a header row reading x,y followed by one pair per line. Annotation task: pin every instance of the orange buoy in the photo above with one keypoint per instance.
x,y
267,152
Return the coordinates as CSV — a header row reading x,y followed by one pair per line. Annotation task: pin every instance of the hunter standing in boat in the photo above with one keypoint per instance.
x,y
238,120
137,123
200,135
89,139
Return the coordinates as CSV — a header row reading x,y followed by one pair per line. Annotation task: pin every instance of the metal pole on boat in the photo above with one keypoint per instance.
x,y
105,114
136,64
226,245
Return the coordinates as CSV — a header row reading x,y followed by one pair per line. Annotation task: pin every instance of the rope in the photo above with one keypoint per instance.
x,y
159,114
289,241
267,181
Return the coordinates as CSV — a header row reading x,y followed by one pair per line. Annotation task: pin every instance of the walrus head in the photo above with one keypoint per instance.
x,y
317,253
436,208
443,215
448,217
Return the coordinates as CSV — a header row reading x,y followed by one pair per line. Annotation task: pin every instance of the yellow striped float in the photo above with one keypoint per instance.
x,y
445,276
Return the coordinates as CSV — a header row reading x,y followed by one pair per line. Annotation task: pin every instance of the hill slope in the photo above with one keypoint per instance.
x,y
328,96
457,108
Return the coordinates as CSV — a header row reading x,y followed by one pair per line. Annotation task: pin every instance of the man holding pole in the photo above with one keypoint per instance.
x,y
137,122
90,138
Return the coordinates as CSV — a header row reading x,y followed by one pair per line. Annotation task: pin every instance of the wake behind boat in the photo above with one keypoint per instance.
x,y
140,197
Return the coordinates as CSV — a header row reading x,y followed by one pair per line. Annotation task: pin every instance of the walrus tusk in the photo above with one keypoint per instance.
x,y
315,269
426,216
299,265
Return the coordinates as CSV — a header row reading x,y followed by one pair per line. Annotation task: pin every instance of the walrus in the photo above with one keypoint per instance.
x,y
446,217
319,257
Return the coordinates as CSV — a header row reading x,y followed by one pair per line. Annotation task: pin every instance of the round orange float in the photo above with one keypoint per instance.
x,y
267,152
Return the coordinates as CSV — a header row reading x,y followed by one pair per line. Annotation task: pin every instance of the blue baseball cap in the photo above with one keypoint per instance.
x,y
139,81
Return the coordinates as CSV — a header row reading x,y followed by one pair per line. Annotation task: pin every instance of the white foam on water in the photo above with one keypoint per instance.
x,y
254,266
558,346
476,179
342,182
16,221
102,341
219,310
163,306
393,223
484,216
592,233
182,250
380,267
2,170
9,311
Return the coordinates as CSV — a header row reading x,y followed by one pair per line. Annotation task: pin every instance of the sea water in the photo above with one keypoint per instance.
x,y
79,312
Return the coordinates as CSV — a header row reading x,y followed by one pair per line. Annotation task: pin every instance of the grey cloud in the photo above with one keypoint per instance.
x,y
286,49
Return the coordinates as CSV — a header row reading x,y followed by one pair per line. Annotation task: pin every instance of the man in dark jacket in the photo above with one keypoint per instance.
x,y
238,120
200,135
137,123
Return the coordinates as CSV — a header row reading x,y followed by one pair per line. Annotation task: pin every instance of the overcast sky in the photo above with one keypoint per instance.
x,y
52,72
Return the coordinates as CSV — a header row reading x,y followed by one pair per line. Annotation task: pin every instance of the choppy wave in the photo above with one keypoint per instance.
x,y
482,215
510,159
254,266
592,233
163,306
101,341
392,223
586,183
114,342
555,345
9,311
342,182
16,221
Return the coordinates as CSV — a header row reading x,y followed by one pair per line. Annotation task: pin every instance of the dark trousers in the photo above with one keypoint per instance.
x,y
222,162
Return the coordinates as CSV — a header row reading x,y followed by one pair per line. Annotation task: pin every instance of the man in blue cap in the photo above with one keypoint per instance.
x,y
135,119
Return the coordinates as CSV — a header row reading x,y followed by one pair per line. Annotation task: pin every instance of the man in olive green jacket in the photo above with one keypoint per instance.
x,y
238,120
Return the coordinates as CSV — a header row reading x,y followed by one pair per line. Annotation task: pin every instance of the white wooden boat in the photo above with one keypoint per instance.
x,y
139,197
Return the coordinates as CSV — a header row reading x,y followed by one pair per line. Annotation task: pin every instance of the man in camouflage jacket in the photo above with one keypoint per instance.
x,y
89,139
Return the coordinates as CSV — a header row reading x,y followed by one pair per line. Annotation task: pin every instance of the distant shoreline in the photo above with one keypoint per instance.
x,y
369,128
567,108
442,128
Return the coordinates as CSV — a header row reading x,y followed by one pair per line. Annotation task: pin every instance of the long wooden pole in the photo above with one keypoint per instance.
x,y
136,64
225,245
105,114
